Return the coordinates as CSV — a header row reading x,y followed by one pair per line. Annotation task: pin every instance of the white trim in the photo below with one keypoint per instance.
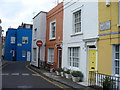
x,y
50,37
48,55
73,25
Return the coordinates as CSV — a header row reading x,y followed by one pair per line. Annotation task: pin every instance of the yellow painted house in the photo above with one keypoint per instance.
x,y
109,38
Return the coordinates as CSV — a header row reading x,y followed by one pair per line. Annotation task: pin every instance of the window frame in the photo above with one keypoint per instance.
x,y
12,40
115,60
80,22
52,38
50,54
71,57
23,41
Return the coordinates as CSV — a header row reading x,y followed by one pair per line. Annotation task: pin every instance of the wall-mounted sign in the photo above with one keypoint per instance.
x,y
105,26
39,43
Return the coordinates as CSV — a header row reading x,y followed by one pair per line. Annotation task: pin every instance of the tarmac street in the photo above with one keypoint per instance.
x,y
17,76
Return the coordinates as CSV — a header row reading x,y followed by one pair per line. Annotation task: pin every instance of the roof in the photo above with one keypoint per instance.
x,y
39,13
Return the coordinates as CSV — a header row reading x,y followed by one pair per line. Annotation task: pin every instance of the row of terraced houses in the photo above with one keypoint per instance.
x,y
83,36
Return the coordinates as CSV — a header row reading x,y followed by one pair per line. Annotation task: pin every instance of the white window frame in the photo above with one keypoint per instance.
x,y
23,53
79,31
71,57
23,40
117,60
52,38
50,55
12,40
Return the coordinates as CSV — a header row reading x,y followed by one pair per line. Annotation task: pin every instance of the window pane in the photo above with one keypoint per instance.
x,y
25,40
74,57
53,29
51,55
117,59
12,40
116,55
23,53
116,70
117,48
77,21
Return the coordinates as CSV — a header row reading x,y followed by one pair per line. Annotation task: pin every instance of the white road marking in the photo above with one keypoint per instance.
x,y
15,74
25,74
35,74
3,74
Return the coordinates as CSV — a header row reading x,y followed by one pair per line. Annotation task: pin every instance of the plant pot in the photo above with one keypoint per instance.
x,y
106,86
75,79
57,73
68,75
62,74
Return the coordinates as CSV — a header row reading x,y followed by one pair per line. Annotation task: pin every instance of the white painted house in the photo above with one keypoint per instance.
x,y
39,33
80,35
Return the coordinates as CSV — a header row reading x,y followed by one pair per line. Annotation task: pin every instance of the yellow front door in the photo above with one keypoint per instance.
x,y
92,59
92,65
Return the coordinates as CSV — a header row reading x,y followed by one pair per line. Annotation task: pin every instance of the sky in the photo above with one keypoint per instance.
x,y
14,12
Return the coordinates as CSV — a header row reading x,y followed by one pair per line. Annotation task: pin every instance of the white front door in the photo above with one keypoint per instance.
x,y
28,55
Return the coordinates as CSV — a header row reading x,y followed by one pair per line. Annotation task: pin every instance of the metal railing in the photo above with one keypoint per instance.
x,y
98,79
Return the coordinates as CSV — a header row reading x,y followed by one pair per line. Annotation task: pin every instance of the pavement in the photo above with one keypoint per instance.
x,y
62,80
3,62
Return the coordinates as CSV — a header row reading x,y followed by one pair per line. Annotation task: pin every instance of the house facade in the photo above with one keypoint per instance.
x,y
54,37
80,35
109,38
18,43
39,33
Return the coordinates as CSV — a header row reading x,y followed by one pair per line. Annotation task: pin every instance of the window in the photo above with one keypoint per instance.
x,y
77,21
34,54
23,53
12,40
25,40
53,29
73,56
51,55
117,59
35,33
27,26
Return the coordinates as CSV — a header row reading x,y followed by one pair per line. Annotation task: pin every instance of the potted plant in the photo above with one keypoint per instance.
x,y
77,76
58,71
67,74
62,73
107,83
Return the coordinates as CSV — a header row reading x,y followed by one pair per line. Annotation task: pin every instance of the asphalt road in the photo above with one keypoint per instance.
x,y
16,75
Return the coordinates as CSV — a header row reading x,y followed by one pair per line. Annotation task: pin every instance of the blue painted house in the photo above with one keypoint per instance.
x,y
18,43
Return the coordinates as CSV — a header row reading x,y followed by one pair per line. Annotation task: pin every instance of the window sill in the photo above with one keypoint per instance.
x,y
76,34
118,25
52,39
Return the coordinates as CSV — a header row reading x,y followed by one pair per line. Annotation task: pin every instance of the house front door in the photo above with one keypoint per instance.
x,y
92,59
59,58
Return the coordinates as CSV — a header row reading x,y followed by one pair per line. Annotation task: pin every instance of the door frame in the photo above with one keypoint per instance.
x,y
29,55
59,49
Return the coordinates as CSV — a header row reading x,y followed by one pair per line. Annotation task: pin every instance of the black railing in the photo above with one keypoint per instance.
x,y
104,81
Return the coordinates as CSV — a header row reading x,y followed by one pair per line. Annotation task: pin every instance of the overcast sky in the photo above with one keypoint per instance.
x,y
14,12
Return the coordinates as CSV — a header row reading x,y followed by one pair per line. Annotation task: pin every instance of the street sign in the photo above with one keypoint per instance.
x,y
39,43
